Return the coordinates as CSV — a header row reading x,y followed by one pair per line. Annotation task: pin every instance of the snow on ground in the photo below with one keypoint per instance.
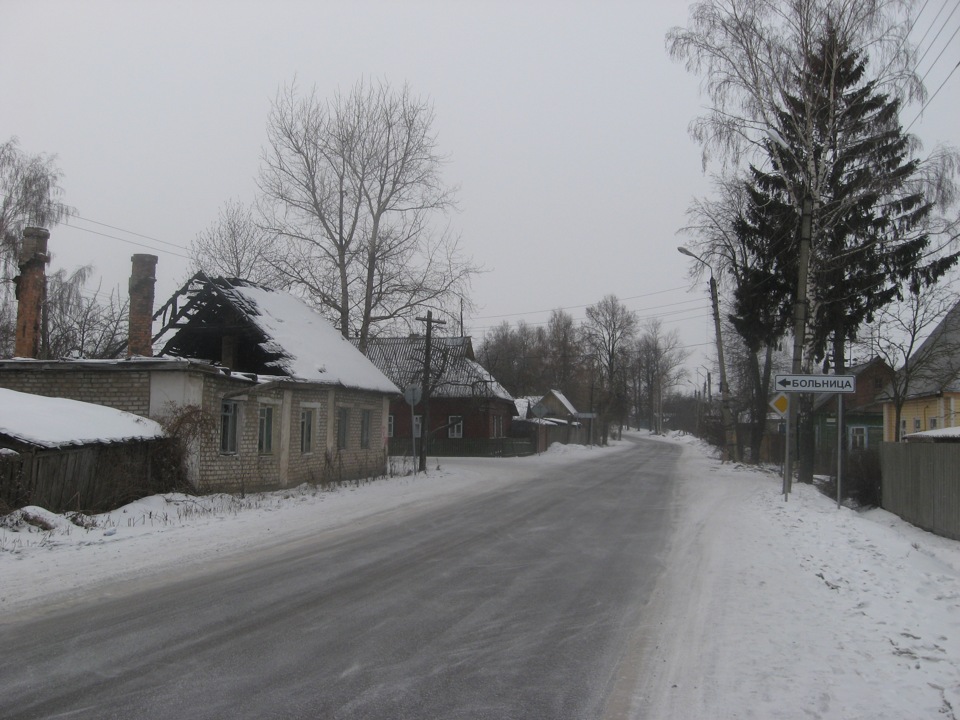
x,y
766,609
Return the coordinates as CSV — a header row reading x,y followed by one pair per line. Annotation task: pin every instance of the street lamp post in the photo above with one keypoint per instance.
x,y
729,430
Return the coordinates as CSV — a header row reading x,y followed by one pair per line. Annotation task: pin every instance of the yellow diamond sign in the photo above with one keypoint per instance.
x,y
780,403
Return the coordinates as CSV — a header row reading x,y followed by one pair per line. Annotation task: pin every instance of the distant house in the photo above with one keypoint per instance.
x,y
932,397
862,411
69,455
466,401
550,418
277,396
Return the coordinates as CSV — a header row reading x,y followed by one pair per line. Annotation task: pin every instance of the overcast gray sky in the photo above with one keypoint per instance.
x,y
565,124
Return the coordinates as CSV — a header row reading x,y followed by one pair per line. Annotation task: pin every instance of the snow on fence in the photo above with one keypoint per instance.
x,y
921,484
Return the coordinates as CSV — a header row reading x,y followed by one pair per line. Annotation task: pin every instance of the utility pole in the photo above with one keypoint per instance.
x,y
729,426
425,425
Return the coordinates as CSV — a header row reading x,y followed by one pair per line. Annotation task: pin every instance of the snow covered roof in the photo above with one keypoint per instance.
x,y
563,401
949,434
276,334
936,363
57,422
523,405
454,373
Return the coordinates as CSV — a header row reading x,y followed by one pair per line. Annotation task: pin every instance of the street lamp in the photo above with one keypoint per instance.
x,y
729,429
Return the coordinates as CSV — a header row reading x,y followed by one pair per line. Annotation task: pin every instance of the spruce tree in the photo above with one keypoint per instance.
x,y
839,140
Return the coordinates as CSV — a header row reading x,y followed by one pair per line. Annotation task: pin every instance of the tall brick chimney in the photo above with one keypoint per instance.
x,y
143,277
31,291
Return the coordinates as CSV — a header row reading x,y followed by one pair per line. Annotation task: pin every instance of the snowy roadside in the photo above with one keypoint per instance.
x,y
773,609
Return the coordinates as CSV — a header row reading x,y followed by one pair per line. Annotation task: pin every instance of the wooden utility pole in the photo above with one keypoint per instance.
x,y
425,399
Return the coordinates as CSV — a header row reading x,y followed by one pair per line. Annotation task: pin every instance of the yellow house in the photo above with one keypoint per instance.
x,y
928,385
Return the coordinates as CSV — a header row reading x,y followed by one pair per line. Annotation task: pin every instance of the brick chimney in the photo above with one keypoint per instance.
x,y
143,277
31,291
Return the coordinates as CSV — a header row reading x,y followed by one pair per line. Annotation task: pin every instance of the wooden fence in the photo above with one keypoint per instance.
x,y
89,479
921,484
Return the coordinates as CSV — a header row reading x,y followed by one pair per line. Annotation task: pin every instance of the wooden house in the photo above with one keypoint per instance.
x,y
466,401
931,391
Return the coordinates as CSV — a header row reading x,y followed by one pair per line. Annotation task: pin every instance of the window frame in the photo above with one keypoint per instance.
x,y
306,433
366,421
858,437
390,425
455,427
229,426
343,427
265,429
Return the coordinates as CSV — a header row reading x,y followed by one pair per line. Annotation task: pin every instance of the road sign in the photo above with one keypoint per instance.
x,y
780,403
816,383
412,394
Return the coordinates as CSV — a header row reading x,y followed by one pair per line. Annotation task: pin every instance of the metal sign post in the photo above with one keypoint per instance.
x,y
839,384
412,394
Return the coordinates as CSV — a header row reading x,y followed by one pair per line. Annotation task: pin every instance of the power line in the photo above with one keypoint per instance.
x,y
942,28
946,45
575,307
129,242
929,28
130,232
932,97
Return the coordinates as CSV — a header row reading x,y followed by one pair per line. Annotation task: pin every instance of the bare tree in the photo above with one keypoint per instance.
x,y
235,246
30,194
516,357
352,187
659,358
920,338
607,333
79,325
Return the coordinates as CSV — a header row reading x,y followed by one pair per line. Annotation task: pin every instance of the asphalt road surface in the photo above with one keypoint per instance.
x,y
524,603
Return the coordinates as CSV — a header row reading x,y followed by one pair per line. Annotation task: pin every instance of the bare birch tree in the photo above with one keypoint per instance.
x,y
353,191
235,246
30,194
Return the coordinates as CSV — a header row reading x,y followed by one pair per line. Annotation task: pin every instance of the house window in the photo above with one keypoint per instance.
x,y
933,423
389,426
365,418
306,431
498,426
455,426
265,430
229,411
343,424
916,424
858,438
417,425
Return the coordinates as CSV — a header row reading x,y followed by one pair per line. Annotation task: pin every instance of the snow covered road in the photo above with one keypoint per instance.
x,y
767,609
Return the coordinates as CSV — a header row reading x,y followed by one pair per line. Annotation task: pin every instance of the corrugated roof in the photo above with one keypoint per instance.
x,y
454,372
936,363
